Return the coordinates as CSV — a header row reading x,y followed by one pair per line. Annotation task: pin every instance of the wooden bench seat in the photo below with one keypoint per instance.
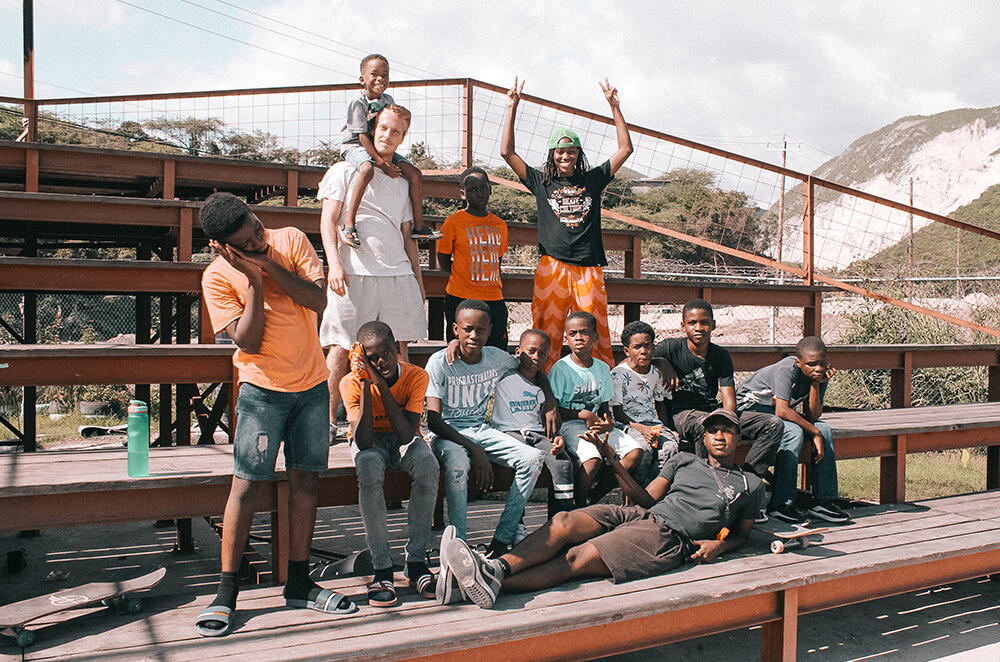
x,y
887,550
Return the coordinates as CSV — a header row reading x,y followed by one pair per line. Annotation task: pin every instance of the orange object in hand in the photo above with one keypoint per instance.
x,y
723,534
356,361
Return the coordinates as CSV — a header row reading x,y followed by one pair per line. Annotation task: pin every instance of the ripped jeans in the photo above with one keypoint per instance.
x,y
526,461
264,418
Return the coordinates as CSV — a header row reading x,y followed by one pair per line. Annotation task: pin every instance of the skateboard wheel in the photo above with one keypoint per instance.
x,y
777,547
25,638
805,542
133,605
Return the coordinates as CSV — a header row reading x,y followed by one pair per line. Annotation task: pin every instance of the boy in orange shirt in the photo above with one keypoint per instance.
x,y
472,244
384,400
265,290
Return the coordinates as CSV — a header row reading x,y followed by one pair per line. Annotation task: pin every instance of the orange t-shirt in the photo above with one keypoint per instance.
x,y
408,392
476,244
290,357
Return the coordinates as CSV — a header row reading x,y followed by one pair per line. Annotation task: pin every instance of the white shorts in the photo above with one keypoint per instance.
x,y
584,450
394,300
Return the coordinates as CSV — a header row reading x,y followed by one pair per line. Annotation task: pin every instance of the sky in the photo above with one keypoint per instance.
x,y
740,75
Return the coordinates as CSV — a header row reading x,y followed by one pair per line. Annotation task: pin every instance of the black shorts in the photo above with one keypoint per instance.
x,y
635,545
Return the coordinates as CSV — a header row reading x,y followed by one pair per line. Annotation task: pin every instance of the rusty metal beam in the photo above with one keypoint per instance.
x,y
51,275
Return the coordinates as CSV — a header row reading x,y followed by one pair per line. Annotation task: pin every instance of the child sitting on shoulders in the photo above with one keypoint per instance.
x,y
640,401
473,241
778,389
358,149
582,385
517,410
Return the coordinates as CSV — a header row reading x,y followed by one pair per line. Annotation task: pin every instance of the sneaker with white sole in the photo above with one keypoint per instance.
x,y
829,511
478,577
788,514
447,591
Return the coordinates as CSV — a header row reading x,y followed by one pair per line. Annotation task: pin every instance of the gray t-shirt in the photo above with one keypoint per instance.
x,y
781,380
465,390
695,507
518,404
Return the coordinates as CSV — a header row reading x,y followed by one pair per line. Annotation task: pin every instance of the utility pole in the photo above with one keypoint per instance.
x,y
30,119
781,227
909,250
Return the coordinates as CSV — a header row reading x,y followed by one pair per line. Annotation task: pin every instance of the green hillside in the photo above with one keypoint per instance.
x,y
934,246
887,149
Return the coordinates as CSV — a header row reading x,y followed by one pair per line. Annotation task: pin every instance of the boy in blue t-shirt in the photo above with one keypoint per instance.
x,y
778,389
457,397
582,385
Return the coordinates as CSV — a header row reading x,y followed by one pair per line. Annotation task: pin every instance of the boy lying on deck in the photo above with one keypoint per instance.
x,y
696,509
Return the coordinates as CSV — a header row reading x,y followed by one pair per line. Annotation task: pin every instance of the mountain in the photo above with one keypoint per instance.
x,y
952,157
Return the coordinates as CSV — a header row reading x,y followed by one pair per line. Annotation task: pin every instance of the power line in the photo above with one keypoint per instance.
x,y
360,51
239,41
266,29
61,87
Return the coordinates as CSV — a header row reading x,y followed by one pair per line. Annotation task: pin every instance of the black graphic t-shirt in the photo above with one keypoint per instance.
x,y
569,215
700,378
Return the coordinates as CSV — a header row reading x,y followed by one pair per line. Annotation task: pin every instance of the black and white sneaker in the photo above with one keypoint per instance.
x,y
478,577
789,514
829,511
447,591
426,233
761,518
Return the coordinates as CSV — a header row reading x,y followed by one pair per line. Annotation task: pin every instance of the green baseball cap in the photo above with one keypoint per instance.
x,y
559,134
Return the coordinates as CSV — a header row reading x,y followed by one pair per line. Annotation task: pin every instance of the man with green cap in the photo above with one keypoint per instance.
x,y
568,192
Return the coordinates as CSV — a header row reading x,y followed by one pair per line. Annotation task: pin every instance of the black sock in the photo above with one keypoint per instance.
x,y
229,588
298,586
504,567
383,575
416,570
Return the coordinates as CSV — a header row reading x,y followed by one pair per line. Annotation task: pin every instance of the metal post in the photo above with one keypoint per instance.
x,y
807,231
30,121
467,123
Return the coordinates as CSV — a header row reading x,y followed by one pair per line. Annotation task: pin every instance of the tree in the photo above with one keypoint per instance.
x,y
690,202
196,136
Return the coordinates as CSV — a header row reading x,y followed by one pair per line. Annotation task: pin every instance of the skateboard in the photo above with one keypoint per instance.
x,y
793,539
352,565
14,617
98,430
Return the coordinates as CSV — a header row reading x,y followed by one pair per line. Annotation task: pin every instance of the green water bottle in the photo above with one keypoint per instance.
x,y
138,439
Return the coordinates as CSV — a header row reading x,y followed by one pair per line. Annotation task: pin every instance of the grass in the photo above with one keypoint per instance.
x,y
52,432
928,475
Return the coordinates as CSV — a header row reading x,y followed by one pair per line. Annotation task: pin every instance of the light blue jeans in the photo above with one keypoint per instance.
x,y
525,460
786,466
416,459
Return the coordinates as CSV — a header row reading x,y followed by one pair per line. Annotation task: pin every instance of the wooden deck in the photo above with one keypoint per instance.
x,y
886,551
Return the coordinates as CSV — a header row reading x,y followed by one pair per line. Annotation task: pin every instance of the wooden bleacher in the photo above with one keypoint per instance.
x,y
887,550
47,192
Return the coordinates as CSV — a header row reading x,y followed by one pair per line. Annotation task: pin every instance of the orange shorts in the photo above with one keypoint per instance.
x,y
561,289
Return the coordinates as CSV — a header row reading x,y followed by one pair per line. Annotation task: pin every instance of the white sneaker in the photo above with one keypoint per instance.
x,y
478,577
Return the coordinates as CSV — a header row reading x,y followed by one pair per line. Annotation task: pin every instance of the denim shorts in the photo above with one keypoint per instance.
x,y
265,418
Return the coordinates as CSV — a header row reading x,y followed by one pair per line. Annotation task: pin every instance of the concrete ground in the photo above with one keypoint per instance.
x,y
954,622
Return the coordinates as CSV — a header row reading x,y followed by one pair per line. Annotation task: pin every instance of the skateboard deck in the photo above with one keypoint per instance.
x,y
98,430
353,565
793,539
14,617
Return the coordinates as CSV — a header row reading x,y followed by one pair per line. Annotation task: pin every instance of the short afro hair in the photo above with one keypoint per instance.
x,y
809,344
474,304
638,326
222,216
698,304
470,172
374,56
541,335
376,330
587,317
